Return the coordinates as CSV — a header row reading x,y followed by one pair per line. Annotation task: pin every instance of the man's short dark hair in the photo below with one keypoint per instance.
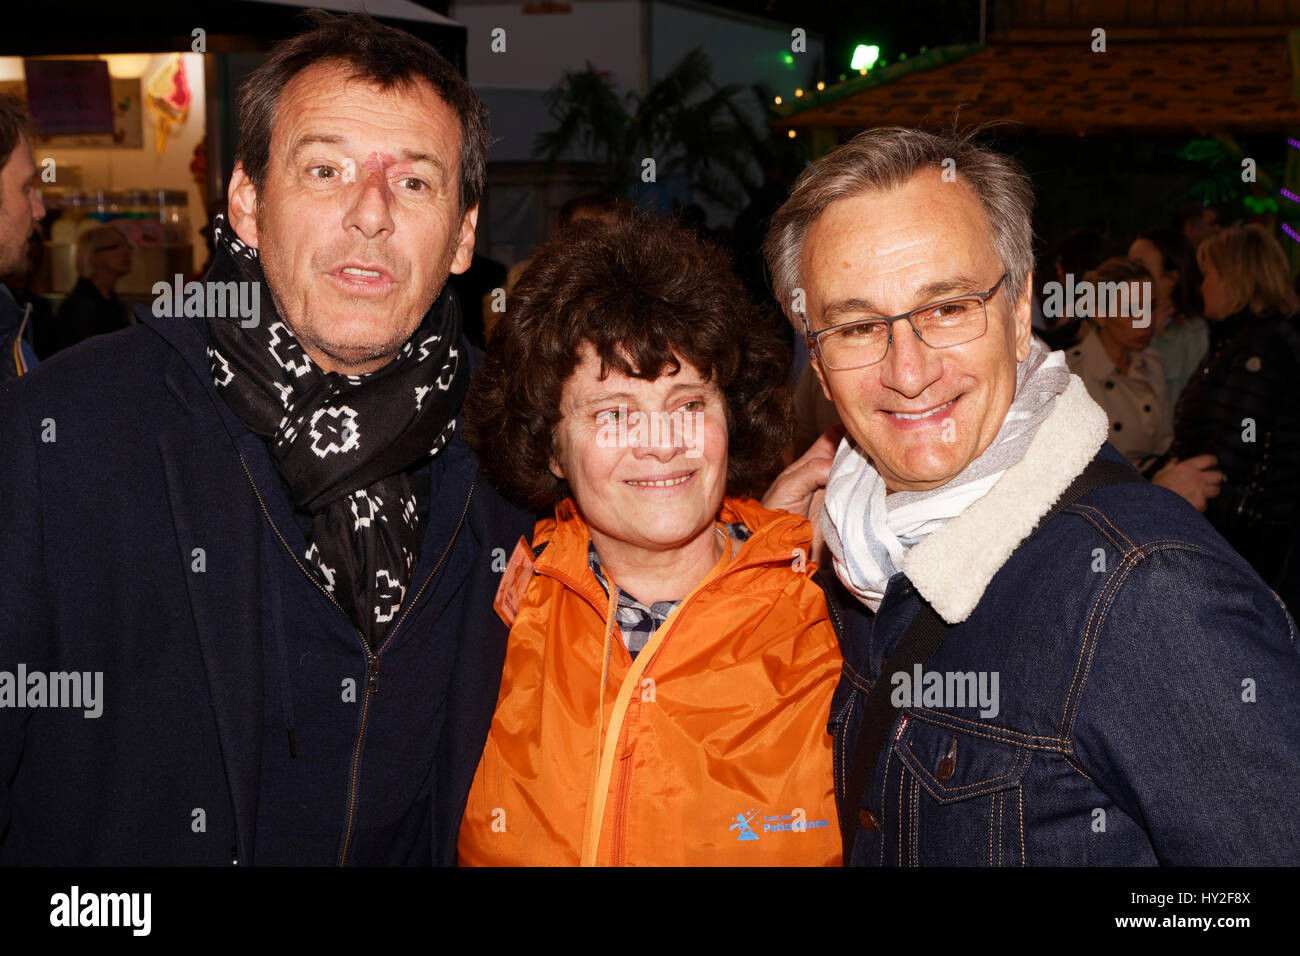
x,y
646,294
378,54
15,125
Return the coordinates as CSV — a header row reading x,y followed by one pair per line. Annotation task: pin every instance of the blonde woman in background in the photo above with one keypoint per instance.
x,y
1243,404
92,307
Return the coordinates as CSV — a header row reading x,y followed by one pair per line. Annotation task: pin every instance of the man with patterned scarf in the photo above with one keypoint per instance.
x,y
1047,660
253,515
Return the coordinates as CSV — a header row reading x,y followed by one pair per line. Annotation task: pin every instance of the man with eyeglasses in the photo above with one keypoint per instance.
x,y
1047,660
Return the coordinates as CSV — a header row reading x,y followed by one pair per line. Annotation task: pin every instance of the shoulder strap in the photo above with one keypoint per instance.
x,y
919,644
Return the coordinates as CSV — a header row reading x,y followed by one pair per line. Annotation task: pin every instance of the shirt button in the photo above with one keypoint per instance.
x,y
868,820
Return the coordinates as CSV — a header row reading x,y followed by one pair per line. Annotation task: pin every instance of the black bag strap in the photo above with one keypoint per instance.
x,y
921,641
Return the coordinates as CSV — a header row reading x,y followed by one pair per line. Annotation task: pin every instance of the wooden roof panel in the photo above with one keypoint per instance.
x,y
1235,84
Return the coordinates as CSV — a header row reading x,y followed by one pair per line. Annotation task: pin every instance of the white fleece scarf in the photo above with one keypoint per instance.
x,y
869,533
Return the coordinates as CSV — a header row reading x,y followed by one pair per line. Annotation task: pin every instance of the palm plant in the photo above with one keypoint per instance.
x,y
685,122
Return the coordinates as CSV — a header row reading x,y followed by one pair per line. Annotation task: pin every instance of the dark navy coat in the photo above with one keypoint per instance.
x,y
147,538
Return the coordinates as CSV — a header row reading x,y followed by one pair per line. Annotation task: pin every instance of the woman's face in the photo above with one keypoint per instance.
x,y
1146,252
646,460
1127,330
1214,294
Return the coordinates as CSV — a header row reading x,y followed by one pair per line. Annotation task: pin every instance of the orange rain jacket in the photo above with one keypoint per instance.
x,y
709,749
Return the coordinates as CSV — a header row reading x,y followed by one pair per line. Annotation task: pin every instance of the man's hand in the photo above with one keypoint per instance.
x,y
1194,478
802,486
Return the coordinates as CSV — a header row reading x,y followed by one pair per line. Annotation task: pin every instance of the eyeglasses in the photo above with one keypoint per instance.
x,y
940,325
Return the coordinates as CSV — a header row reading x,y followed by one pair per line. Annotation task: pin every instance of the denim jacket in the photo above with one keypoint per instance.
x,y
1147,705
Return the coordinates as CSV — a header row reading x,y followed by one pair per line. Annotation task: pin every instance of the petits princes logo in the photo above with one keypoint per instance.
x,y
796,821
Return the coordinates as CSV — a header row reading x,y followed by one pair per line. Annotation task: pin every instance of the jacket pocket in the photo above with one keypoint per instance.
x,y
960,797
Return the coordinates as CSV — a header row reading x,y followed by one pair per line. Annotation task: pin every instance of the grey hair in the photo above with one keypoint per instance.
x,y
886,158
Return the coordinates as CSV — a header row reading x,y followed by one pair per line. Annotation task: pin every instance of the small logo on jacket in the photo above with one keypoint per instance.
x,y
742,822
794,822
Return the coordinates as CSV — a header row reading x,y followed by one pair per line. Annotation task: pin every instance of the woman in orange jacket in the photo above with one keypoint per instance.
x,y
670,667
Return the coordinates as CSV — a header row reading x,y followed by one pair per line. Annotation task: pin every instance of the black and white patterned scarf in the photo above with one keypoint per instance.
x,y
342,442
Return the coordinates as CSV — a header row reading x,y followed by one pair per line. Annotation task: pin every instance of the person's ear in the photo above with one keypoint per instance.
x,y
557,469
816,366
1023,318
464,254
241,206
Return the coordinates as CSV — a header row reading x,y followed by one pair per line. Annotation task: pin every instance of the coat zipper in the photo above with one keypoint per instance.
x,y
372,658
372,683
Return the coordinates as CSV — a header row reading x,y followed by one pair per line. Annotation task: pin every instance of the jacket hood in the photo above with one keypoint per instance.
x,y
953,566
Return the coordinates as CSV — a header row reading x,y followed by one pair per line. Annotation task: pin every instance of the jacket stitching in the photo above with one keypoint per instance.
x,y
916,823
990,833
1111,583
1088,511
1020,801
884,809
856,679
987,785
901,807
940,718
1092,634
1286,615
846,819
1001,812
1071,760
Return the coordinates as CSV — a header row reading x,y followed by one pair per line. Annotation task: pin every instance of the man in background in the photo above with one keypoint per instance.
x,y
20,210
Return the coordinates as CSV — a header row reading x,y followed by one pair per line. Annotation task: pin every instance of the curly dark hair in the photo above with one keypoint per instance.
x,y
646,294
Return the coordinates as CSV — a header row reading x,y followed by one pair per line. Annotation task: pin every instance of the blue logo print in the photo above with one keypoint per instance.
x,y
742,824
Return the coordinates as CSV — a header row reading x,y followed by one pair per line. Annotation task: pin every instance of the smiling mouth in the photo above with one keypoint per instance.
x,y
918,416
671,481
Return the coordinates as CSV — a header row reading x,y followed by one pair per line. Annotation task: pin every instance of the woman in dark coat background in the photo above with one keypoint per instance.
x,y
1243,404
92,307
